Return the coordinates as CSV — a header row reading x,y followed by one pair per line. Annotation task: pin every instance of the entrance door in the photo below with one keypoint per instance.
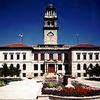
x,y
51,68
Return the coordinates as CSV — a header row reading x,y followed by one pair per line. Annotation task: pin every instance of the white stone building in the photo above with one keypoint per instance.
x,y
50,57
84,56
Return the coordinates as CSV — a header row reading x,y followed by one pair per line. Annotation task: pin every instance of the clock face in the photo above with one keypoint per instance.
x,y
50,34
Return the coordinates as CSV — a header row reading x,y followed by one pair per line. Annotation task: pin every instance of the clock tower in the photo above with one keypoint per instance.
x,y
50,26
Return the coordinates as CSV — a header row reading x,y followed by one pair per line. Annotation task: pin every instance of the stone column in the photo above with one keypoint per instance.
x,y
63,57
63,69
39,56
45,68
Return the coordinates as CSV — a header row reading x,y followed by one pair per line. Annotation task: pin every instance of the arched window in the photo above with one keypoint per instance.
x,y
11,65
11,72
97,65
66,56
48,23
24,66
84,66
78,67
52,23
18,66
91,66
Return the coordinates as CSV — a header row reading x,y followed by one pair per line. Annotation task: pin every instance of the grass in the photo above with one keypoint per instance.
x,y
5,81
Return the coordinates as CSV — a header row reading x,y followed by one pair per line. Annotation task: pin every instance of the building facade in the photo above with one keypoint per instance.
x,y
50,57
83,57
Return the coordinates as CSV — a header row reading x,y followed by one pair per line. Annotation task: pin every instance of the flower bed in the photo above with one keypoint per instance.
x,y
80,90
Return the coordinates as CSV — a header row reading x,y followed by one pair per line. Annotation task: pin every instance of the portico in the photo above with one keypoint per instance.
x,y
50,66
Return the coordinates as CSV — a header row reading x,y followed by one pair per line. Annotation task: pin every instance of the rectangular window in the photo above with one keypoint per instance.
x,y
59,56
78,74
35,56
24,66
35,66
66,56
50,56
90,56
24,74
41,74
84,56
11,56
35,74
85,75
42,56
78,67
18,56
97,56
24,56
78,56
84,67
5,56
18,75
42,66
59,67
18,66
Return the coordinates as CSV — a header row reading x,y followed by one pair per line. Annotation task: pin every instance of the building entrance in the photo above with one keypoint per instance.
x,y
51,68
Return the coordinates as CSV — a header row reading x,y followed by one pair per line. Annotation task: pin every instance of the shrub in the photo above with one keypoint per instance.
x,y
79,90
51,85
2,83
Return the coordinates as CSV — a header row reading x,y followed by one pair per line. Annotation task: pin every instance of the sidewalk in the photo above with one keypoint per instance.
x,y
26,89
90,83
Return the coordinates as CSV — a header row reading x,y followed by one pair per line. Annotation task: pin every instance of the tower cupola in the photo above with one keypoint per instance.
x,y
50,12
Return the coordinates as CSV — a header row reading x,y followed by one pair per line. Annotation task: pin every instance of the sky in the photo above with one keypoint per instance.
x,y
77,20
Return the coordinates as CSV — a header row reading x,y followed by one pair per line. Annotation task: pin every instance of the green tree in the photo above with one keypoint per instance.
x,y
17,71
93,70
1,72
11,70
5,70
97,70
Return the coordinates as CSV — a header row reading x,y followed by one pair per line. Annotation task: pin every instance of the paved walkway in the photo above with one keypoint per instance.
x,y
26,89
90,83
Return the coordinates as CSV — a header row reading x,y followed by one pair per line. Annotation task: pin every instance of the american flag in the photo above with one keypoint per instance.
x,y
20,35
